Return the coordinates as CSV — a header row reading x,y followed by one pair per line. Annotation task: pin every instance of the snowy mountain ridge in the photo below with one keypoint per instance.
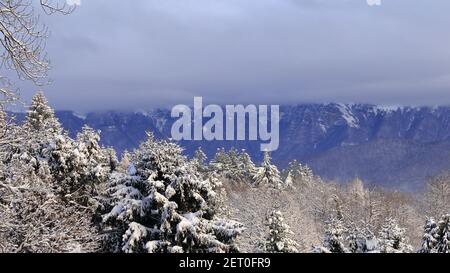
x,y
398,146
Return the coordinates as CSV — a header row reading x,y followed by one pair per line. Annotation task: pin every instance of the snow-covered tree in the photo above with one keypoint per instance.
x,y
278,240
437,196
248,167
41,117
436,238
429,240
112,163
125,162
268,174
289,181
361,240
335,237
163,205
300,173
234,172
34,219
98,161
200,159
200,156
79,166
392,238
33,138
233,165
3,122
220,162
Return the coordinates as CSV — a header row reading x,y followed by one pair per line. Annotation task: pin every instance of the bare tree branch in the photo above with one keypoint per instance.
x,y
22,40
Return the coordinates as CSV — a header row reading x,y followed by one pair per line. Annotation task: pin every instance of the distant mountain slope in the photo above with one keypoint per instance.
x,y
392,146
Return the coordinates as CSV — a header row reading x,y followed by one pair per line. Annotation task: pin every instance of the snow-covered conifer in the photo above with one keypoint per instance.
x,y
200,159
221,162
436,238
124,162
268,174
278,240
288,182
112,162
429,241
248,167
235,171
335,237
41,117
165,206
300,173
79,166
392,238
361,240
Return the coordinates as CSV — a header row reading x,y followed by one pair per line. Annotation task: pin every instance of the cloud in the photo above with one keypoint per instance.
x,y
73,2
374,2
162,52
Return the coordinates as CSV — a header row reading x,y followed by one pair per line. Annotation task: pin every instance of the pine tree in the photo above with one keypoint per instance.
x,y
436,237
429,241
124,162
37,217
277,241
165,206
248,167
221,162
200,156
38,132
112,163
335,237
268,174
392,238
200,160
300,173
288,182
361,240
41,117
336,232
79,167
235,171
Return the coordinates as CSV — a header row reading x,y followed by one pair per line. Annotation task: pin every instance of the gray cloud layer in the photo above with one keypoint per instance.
x,y
114,54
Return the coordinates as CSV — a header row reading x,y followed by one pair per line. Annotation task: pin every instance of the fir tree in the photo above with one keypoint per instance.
x,y
288,182
235,171
248,167
277,241
335,237
124,162
200,160
436,238
361,240
299,173
41,117
165,206
221,162
429,241
268,174
392,238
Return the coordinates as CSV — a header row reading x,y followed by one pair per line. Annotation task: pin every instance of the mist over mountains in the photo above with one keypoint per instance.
x,y
394,147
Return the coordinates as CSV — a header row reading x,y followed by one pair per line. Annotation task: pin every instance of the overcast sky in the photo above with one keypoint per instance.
x,y
139,54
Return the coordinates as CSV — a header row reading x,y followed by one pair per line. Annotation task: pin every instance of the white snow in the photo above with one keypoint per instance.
x,y
347,114
79,115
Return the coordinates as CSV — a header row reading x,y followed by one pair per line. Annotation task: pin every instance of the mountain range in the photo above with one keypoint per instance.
x,y
394,147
